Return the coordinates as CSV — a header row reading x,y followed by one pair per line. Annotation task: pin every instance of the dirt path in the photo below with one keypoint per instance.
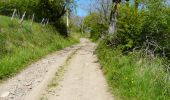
x,y
81,77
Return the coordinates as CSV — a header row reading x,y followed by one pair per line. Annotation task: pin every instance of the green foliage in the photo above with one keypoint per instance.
x,y
136,26
93,24
134,76
7,7
61,27
23,44
129,26
53,10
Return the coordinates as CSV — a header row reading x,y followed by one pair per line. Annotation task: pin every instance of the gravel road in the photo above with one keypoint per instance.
x,y
82,78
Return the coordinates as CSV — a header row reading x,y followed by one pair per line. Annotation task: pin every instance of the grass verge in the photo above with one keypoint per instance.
x,y
23,44
134,76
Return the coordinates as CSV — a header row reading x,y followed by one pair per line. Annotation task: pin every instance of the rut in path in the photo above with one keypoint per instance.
x,y
82,80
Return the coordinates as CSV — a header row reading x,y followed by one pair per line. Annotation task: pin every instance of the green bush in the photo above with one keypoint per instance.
x,y
61,27
137,27
93,23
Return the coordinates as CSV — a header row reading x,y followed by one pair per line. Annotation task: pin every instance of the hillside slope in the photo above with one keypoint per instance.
x,y
22,44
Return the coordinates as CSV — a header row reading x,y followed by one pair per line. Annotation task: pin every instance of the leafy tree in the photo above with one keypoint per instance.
x,y
113,16
93,24
7,7
147,27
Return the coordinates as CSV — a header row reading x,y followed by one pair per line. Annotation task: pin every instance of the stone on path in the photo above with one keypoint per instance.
x,y
4,94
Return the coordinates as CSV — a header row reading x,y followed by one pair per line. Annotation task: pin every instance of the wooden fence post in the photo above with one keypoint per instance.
x,y
22,17
42,21
47,21
13,14
32,19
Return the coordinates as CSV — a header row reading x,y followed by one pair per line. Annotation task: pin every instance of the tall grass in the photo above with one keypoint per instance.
x,y
23,44
134,76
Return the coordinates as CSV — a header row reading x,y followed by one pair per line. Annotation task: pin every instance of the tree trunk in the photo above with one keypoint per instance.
x,y
113,17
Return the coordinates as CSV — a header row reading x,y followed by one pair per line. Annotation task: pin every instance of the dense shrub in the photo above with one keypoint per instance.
x,y
139,27
61,27
93,24
7,7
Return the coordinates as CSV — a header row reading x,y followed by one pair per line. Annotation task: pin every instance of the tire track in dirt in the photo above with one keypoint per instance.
x,y
83,79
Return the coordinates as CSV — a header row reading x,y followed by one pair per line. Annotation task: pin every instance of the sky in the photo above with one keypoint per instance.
x,y
82,6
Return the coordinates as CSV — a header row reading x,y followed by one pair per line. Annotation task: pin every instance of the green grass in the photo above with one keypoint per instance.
x,y
23,44
134,76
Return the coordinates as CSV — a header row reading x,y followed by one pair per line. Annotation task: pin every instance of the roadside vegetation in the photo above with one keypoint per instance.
x,y
133,48
31,29
134,76
21,45
53,11
133,37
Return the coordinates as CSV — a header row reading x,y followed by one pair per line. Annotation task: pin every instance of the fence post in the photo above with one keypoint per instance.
x,y
42,21
32,19
13,14
47,21
22,17
164,55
